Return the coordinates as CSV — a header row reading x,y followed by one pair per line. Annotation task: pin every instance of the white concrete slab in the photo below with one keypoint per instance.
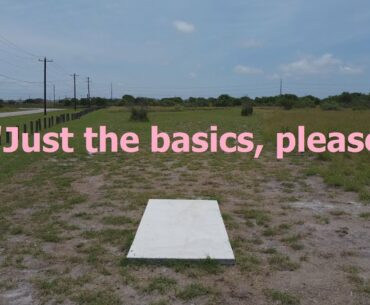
x,y
182,230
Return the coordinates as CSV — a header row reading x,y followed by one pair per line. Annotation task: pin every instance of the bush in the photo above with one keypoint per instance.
x,y
139,114
288,101
247,109
179,108
127,100
287,104
305,102
361,104
329,105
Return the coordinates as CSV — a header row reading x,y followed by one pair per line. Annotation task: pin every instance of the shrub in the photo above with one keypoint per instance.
x,y
329,105
287,104
139,114
179,108
305,102
361,104
288,101
247,109
127,100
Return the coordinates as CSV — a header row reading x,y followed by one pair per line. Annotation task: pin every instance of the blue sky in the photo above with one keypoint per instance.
x,y
186,48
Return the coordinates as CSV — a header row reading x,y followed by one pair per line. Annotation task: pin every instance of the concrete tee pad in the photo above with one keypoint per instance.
x,y
182,230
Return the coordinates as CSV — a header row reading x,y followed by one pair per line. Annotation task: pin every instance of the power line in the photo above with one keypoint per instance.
x,y
17,47
13,64
61,68
16,55
19,80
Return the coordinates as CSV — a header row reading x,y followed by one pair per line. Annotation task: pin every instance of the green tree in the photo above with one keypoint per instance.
x,y
128,100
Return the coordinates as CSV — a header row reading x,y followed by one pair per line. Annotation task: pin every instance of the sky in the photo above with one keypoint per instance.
x,y
184,48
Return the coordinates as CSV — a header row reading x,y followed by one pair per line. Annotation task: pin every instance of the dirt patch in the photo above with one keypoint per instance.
x,y
22,295
295,239
90,186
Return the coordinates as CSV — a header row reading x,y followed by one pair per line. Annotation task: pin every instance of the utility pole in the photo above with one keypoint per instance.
x,y
74,89
88,90
281,86
54,94
111,91
45,60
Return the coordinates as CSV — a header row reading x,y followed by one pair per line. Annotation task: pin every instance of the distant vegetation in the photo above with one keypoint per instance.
x,y
139,114
356,101
247,109
286,101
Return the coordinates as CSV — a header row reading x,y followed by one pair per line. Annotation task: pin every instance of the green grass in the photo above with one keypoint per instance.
x,y
249,263
98,297
41,203
282,262
202,267
62,285
282,298
9,109
322,219
15,162
261,217
277,230
293,241
116,220
160,284
365,215
193,291
353,275
110,236
349,171
160,302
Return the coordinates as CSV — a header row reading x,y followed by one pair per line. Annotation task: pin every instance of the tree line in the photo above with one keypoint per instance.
x,y
286,101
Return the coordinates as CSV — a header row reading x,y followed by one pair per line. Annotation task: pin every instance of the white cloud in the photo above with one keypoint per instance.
x,y
274,76
324,64
240,69
192,75
183,26
351,70
251,44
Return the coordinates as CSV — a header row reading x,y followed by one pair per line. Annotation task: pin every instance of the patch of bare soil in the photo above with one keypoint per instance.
x,y
296,240
90,186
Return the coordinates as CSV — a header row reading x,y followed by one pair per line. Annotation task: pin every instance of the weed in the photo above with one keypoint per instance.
x,y
282,263
160,284
192,291
283,298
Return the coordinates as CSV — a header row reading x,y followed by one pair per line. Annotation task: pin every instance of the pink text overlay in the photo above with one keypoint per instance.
x,y
101,140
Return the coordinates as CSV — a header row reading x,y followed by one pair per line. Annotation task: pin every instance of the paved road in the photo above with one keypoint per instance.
x,y
25,112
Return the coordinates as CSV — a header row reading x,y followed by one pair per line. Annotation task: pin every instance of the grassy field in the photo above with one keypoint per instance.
x,y
12,163
9,109
298,227
20,107
350,171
